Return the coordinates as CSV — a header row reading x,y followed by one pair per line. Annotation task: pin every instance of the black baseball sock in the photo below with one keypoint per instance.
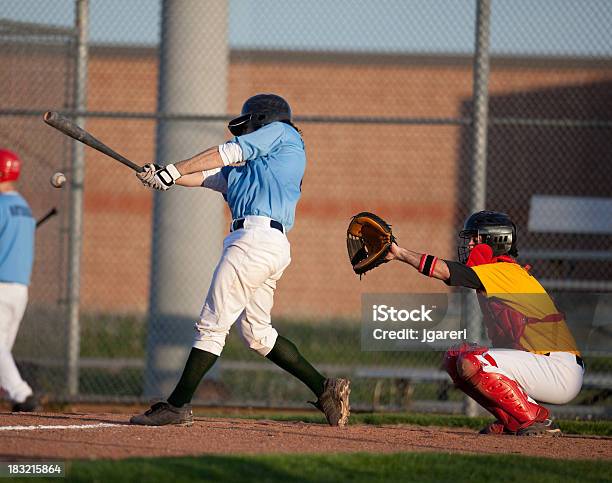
x,y
198,363
286,355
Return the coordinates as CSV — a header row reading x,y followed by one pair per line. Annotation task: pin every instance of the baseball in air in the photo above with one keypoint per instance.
x,y
58,180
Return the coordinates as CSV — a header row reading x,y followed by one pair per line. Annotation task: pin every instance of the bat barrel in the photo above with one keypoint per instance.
x,y
69,128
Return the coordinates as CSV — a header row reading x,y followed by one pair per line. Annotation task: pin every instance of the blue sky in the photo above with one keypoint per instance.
x,y
532,27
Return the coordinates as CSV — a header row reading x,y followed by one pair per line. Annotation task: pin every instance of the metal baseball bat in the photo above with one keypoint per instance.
x,y
52,212
69,128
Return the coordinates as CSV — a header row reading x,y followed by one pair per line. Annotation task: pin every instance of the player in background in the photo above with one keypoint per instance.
x,y
533,355
17,227
259,173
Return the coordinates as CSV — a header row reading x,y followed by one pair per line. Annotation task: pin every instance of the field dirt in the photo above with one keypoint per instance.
x,y
117,439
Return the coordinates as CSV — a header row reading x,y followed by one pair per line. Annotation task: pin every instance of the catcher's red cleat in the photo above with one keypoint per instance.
x,y
496,427
541,428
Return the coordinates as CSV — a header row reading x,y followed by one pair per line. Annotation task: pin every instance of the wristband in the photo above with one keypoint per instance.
x,y
168,175
427,264
174,172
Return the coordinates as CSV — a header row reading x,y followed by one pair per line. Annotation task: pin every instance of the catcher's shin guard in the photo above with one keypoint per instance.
x,y
498,394
450,365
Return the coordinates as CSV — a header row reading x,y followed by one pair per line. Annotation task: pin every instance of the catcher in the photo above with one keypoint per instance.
x,y
533,355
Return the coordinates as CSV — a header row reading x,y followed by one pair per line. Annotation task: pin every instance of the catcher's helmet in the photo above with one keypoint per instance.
x,y
491,227
258,111
10,166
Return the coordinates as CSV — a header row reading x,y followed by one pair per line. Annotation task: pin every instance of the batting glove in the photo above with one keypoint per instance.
x,y
165,177
147,175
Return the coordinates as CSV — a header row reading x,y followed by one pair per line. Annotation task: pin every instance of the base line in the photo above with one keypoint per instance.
x,y
69,426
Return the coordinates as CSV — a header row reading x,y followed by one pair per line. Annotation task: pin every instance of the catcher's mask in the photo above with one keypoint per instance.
x,y
490,227
258,111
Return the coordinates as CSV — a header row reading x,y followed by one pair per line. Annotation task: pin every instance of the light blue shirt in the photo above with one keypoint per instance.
x,y
17,228
269,183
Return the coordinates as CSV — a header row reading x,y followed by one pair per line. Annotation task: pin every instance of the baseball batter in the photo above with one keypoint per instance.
x,y
259,173
17,228
533,355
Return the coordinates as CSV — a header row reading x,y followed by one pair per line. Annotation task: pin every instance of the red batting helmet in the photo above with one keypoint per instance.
x,y
10,166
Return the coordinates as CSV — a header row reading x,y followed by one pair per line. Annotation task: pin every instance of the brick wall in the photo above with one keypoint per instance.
x,y
412,175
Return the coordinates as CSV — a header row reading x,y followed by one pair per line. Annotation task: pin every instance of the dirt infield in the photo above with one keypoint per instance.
x,y
73,435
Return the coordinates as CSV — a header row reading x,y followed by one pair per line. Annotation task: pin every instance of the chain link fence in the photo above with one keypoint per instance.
x,y
384,94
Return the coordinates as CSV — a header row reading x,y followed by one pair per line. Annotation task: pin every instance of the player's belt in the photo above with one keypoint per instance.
x,y
239,224
579,360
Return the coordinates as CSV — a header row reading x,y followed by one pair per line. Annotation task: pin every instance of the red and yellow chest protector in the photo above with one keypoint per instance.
x,y
517,311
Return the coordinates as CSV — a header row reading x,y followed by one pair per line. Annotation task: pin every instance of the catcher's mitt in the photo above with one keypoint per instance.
x,y
368,240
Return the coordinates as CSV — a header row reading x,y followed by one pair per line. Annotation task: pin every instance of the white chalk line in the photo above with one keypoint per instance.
x,y
68,426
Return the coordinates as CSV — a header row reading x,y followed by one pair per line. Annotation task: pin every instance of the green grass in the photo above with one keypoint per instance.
x,y
356,467
106,335
330,342
125,336
594,428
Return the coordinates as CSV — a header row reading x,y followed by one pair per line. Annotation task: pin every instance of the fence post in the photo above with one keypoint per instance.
x,y
193,77
76,204
479,160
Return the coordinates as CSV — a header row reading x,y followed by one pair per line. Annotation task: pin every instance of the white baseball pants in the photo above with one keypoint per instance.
x,y
13,301
242,288
554,379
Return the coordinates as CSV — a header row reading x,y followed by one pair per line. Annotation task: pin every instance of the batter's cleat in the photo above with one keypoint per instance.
x,y
30,404
496,427
163,413
541,428
334,402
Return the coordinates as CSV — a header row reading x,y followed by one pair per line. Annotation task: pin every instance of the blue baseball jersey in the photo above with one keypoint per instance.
x,y
270,182
17,228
